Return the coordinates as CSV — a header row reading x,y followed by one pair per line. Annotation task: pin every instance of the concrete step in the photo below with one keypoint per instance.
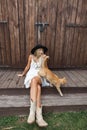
x,y
19,104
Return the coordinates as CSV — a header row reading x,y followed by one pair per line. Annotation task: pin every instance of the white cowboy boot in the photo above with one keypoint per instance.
x,y
31,117
39,118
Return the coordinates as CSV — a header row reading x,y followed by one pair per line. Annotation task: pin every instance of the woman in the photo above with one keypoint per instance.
x,y
34,81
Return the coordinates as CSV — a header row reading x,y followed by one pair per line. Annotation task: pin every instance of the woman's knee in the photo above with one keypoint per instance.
x,y
36,80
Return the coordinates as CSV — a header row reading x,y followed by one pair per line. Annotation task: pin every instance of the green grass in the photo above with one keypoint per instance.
x,y
56,121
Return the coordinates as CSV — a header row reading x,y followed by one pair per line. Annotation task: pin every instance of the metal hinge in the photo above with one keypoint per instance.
x,y
76,25
3,22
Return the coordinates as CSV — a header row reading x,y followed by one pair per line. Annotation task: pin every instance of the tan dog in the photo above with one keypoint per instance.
x,y
50,76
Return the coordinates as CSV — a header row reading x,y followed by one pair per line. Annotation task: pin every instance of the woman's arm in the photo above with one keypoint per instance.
x,y
27,66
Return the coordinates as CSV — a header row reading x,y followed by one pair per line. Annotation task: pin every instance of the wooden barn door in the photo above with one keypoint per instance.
x,y
47,11
17,36
66,36
5,45
5,55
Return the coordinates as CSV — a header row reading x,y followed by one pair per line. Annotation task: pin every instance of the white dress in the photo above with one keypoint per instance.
x,y
33,71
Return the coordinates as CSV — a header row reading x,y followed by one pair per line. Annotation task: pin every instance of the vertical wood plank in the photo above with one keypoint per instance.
x,y
3,47
0,35
32,21
60,33
21,32
78,20
29,25
16,32
52,30
6,35
10,5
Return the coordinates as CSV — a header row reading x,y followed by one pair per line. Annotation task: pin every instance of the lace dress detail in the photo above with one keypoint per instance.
x,y
33,72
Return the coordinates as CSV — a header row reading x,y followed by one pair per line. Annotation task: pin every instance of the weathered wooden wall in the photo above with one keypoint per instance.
x,y
66,36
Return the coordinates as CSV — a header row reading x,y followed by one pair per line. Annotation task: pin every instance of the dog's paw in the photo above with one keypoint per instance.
x,y
51,85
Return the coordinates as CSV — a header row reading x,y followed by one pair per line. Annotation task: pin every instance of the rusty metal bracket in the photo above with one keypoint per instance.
x,y
76,25
41,26
3,22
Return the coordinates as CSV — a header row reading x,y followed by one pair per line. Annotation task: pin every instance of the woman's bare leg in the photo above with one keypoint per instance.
x,y
34,88
33,99
35,95
39,117
39,96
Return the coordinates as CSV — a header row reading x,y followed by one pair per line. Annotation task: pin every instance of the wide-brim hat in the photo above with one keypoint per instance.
x,y
38,46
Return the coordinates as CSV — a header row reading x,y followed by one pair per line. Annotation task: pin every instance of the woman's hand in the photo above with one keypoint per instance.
x,y
20,75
